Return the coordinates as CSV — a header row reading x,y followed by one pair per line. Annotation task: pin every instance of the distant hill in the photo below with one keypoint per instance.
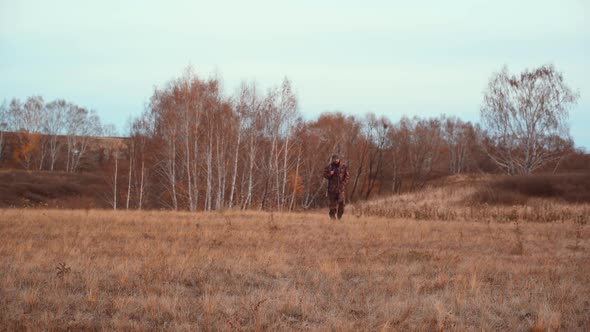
x,y
536,198
20,188
98,152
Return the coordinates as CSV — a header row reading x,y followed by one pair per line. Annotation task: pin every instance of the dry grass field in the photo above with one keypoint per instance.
x,y
104,270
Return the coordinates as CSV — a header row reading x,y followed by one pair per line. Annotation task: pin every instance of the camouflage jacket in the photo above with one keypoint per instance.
x,y
337,181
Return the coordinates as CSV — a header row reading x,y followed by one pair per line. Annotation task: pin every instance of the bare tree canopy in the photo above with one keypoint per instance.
x,y
525,117
196,147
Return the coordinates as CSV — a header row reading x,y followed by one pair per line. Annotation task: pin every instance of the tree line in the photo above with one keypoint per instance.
x,y
53,135
197,148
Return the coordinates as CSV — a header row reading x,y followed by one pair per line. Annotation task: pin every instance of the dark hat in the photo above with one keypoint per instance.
x,y
335,156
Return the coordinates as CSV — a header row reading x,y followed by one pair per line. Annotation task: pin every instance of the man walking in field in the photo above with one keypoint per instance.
x,y
337,175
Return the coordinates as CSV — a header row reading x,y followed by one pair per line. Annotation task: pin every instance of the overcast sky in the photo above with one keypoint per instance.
x,y
387,57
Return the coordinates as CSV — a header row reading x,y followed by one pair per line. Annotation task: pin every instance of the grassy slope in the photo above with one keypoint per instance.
x,y
159,270
545,198
20,188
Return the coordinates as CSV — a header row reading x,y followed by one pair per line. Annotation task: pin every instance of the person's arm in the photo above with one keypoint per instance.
x,y
346,176
328,172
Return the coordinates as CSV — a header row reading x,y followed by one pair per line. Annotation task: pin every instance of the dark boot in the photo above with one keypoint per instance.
x,y
332,213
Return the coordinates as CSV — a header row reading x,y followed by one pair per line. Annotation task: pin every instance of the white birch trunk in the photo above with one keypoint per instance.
x,y
235,172
188,170
115,183
208,196
172,172
248,201
129,180
285,171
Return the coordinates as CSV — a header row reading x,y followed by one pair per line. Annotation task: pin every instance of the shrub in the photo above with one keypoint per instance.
x,y
516,190
495,196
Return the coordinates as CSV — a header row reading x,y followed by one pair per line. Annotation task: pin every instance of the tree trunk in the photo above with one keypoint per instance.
x,y
115,183
286,155
208,196
295,184
235,172
129,180
141,185
248,202
172,170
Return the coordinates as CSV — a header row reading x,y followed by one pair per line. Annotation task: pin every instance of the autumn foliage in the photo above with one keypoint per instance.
x,y
198,147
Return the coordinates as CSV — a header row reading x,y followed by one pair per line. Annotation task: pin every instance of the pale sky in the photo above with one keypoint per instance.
x,y
388,57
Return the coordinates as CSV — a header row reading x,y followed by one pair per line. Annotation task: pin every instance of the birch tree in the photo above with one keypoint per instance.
x,y
82,126
241,113
27,119
424,148
398,146
4,126
287,108
525,116
115,180
141,132
55,123
253,123
460,138
130,175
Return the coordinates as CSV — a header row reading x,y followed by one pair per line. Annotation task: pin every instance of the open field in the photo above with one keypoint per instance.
x,y
104,270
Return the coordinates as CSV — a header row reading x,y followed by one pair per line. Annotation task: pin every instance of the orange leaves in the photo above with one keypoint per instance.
x,y
296,182
29,143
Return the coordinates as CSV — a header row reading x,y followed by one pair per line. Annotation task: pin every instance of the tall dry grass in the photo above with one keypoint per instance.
x,y
547,198
104,270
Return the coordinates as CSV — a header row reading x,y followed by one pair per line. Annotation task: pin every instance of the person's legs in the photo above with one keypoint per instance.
x,y
340,209
340,205
333,204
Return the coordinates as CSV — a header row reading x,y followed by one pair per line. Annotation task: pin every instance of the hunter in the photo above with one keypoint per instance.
x,y
337,175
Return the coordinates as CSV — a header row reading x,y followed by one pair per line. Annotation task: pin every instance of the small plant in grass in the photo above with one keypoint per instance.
x,y
272,226
518,248
246,315
580,222
62,270
228,223
357,210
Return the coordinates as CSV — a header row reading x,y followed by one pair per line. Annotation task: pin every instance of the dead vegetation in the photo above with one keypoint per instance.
x,y
517,190
43,189
106,270
536,198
